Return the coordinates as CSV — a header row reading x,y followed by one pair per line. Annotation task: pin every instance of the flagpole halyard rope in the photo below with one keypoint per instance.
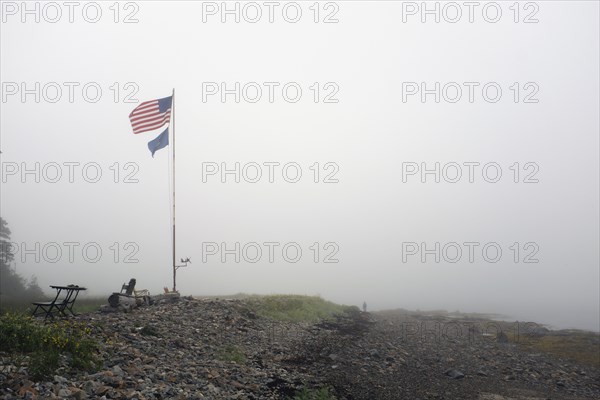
x,y
170,192
173,133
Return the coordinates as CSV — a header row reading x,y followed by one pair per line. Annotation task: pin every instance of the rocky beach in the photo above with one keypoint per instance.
x,y
192,348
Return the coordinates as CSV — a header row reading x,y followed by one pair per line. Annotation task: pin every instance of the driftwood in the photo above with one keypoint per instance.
x,y
118,299
129,298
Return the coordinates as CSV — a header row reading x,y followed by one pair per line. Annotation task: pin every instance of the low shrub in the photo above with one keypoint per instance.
x,y
21,335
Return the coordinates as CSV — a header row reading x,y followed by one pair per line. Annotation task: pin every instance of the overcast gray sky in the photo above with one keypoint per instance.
x,y
518,94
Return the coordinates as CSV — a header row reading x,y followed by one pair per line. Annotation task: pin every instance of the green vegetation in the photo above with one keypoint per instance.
x,y
85,305
231,354
17,293
42,364
21,335
295,308
14,289
314,394
575,345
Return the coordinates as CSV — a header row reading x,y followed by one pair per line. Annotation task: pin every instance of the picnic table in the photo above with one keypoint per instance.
x,y
61,304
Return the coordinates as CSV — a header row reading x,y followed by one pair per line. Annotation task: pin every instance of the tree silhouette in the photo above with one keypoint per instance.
x,y
13,287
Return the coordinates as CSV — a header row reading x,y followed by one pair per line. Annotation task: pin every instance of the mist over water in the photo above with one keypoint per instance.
x,y
373,157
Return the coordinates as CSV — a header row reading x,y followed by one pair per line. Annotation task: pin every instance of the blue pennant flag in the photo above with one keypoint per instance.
x,y
160,142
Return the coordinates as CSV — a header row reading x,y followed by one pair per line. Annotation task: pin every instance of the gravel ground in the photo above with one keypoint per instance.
x,y
221,349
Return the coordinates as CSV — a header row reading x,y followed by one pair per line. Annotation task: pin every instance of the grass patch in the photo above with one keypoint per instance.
x,y
295,308
231,353
83,305
21,335
89,304
16,306
579,346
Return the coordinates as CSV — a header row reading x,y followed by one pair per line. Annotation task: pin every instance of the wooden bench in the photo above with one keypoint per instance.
x,y
60,305
129,289
129,297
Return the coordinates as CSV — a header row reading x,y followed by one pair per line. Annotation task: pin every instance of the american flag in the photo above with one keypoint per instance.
x,y
151,115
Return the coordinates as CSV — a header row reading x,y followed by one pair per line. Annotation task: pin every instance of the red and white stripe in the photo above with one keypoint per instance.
x,y
147,117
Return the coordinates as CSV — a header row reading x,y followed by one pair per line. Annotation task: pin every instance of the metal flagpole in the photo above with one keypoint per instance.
x,y
173,133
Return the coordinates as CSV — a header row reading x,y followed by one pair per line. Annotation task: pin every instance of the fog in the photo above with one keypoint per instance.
x,y
373,129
